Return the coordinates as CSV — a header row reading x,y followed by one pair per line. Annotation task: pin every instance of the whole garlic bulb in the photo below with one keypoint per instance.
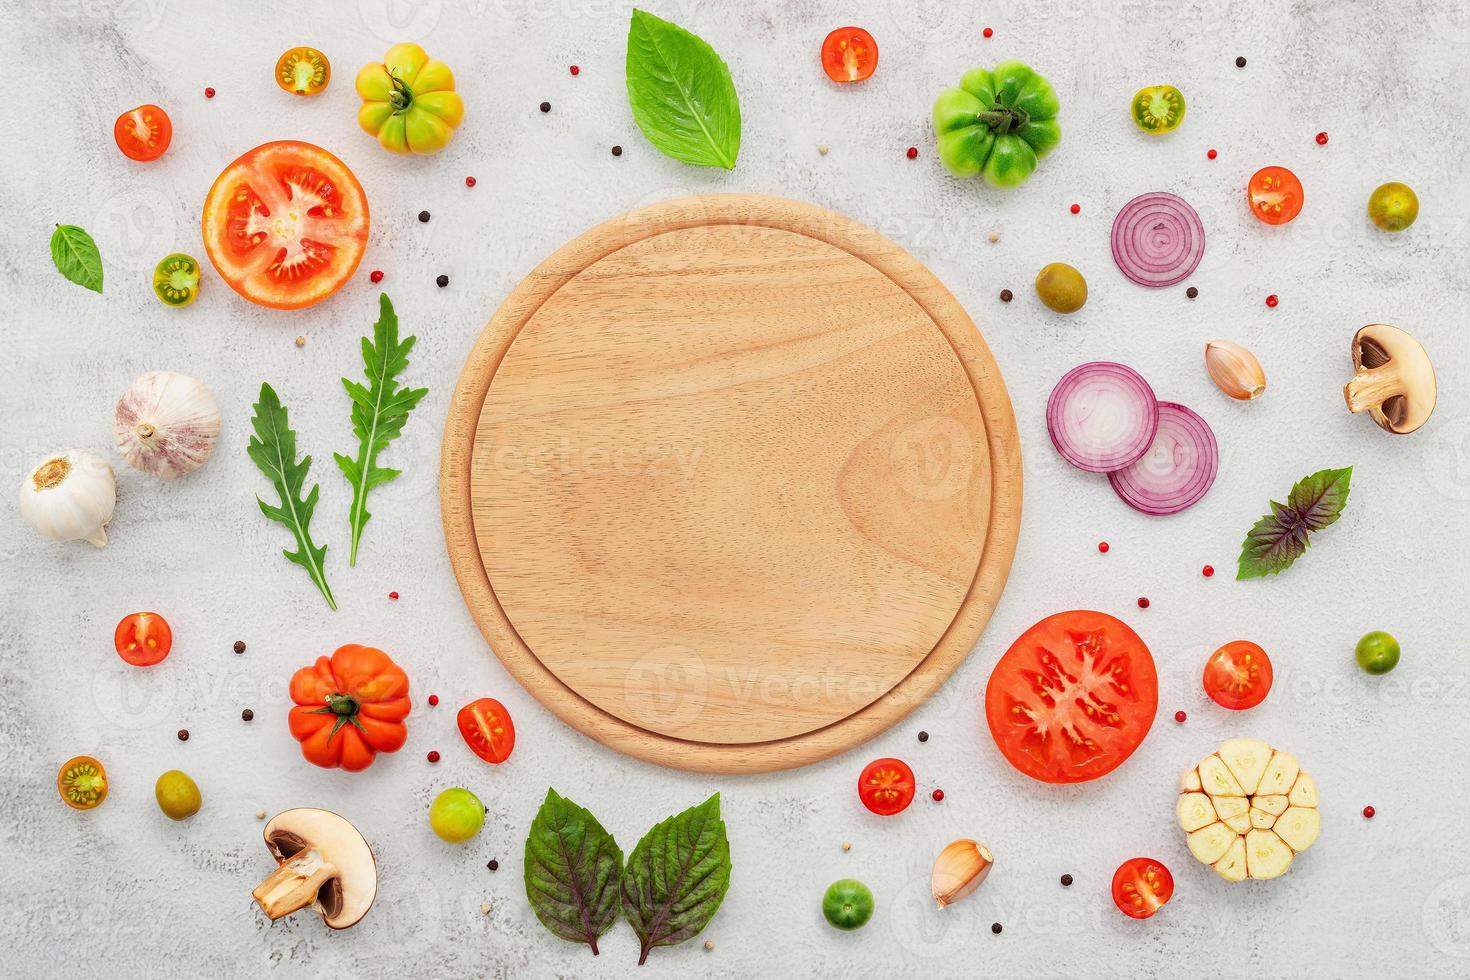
x,y
70,496
166,424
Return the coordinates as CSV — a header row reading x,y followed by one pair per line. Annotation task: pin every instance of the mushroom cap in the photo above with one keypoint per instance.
x,y
346,899
1378,345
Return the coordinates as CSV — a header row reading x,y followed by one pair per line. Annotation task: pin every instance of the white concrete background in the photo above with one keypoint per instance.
x,y
125,890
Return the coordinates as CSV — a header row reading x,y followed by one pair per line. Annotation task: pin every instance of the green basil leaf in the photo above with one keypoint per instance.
x,y
1282,536
677,877
681,93
573,867
1318,500
76,257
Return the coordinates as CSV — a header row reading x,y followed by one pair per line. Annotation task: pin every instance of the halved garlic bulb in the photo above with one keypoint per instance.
x,y
166,424
70,496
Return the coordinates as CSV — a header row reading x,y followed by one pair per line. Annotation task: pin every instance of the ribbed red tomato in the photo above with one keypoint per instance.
x,y
1073,697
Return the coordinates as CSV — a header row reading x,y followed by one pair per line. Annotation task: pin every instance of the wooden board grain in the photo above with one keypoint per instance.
x,y
731,483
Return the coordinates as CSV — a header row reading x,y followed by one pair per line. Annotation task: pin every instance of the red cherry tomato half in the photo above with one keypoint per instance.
x,y
143,133
1238,675
487,729
143,638
886,786
849,54
1073,697
1275,194
1142,886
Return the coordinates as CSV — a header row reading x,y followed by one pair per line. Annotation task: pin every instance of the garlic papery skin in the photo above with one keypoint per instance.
x,y
70,496
166,424
1234,370
958,870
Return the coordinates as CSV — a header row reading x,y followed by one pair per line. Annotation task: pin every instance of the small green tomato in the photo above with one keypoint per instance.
x,y
848,904
456,815
1378,652
1393,206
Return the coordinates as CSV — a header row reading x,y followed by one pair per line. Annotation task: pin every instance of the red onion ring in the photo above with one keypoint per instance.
x,y
1158,239
1178,468
1101,416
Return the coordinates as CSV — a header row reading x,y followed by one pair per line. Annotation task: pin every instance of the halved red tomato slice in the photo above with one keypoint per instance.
x,y
286,224
1073,697
143,133
1238,675
1142,886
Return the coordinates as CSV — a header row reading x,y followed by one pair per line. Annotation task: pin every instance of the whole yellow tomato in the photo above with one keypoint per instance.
x,y
408,101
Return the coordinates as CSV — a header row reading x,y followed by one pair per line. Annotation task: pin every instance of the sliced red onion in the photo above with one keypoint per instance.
x,y
1178,468
1158,239
1101,416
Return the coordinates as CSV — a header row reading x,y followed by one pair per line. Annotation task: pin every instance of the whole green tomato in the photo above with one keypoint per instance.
x,y
456,815
1393,206
1378,652
998,123
848,904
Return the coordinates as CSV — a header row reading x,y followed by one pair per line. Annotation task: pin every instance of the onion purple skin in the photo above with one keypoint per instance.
x,y
1120,378
1181,488
1158,239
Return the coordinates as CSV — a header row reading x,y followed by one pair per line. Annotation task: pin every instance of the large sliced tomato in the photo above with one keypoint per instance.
x,y
1073,697
286,224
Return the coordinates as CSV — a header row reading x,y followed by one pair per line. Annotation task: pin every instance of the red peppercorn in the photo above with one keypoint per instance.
x,y
1321,139
938,795
913,152
1271,301
433,756
1143,602
393,596
1076,208
376,276
988,32
209,93
1102,546
1212,154
575,70
433,700
1179,716
469,182
1368,812
1208,571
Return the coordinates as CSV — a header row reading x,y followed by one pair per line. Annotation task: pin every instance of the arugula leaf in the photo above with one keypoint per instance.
x,y
76,257
1281,537
378,414
681,93
677,876
573,869
273,448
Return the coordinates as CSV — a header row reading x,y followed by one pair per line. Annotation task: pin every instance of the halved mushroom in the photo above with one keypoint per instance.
x,y
1394,382
323,862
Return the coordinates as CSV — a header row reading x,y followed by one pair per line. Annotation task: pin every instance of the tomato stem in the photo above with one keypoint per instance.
x,y
401,98
1003,119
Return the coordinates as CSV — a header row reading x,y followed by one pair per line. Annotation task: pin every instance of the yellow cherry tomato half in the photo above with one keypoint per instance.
x,y
82,783
1275,194
303,71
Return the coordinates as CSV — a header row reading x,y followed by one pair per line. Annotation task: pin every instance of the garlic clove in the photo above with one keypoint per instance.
x,y
166,424
1234,370
69,497
959,870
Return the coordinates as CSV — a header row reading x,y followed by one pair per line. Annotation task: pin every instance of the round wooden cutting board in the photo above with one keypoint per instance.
x,y
731,483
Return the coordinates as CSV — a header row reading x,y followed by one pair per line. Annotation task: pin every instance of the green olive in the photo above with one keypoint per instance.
x,y
848,904
1393,206
177,795
1378,652
1061,287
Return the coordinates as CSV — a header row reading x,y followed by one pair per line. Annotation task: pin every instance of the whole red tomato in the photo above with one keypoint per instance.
x,y
349,707
487,729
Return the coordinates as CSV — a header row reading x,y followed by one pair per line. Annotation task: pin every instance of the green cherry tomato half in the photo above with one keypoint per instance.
x,y
178,795
456,815
1393,206
1158,109
1378,652
848,904
176,279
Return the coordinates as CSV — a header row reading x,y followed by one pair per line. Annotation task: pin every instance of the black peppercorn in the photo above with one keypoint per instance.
x,y
183,734
923,736
442,281
247,715
1006,296
494,865
1191,292
995,928
423,216
1066,881
617,151
239,646
546,107
1240,62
